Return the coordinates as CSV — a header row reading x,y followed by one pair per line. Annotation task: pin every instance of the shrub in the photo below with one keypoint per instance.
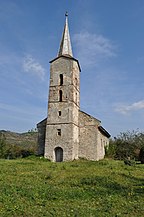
x,y
111,149
12,151
126,145
3,148
141,155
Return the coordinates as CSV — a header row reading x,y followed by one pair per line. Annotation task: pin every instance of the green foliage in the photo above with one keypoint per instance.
x,y
126,145
111,149
36,187
23,140
33,131
129,162
141,155
3,148
13,145
9,151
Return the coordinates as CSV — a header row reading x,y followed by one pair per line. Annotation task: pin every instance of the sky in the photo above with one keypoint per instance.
x,y
107,38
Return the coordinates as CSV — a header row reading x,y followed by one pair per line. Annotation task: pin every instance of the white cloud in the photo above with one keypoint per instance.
x,y
126,109
91,48
32,66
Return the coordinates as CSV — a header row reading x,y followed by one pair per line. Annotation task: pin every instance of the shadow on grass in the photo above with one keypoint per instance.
x,y
95,185
137,183
103,184
133,178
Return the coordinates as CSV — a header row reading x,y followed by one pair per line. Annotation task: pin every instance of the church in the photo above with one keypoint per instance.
x,y
68,133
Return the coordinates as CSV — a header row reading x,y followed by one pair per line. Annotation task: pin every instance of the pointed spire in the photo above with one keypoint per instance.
x,y
65,45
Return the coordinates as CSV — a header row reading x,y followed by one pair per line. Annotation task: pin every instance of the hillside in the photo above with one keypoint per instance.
x,y
26,140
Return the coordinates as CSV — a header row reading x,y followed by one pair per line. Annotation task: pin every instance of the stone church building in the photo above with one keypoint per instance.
x,y
69,133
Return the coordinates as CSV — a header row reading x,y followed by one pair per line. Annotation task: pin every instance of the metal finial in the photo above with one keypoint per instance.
x,y
66,14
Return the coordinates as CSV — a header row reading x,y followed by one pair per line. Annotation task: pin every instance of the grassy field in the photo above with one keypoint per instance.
x,y
36,187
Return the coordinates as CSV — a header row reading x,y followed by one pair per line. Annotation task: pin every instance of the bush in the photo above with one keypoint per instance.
x,y
111,149
12,151
3,148
141,155
129,162
126,145
26,153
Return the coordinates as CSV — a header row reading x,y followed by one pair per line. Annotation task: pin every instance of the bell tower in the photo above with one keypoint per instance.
x,y
62,127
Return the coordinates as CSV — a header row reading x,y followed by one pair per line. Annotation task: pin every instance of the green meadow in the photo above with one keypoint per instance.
x,y
37,187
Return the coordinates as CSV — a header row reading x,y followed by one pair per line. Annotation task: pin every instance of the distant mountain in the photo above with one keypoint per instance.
x,y
26,140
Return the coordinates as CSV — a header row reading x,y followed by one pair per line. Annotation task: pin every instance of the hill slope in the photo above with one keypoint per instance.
x,y
26,140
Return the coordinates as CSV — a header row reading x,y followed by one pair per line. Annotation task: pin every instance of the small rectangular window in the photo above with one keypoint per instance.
x,y
59,132
59,113
60,96
61,79
76,82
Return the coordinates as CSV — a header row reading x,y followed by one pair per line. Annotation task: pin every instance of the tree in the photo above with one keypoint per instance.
x,y
141,155
126,145
3,146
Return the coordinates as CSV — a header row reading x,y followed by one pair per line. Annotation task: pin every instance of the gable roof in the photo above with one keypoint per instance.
x,y
90,116
42,122
103,131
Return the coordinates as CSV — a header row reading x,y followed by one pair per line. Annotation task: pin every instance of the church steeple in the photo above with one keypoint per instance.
x,y
65,45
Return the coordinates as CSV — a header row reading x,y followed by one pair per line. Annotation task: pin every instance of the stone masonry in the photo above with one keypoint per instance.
x,y
68,133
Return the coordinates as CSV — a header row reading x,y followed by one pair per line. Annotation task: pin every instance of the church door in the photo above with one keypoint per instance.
x,y
58,154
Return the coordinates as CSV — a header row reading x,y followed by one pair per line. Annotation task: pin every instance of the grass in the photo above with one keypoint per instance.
x,y
36,187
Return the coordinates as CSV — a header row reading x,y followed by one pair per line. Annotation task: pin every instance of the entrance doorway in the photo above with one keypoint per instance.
x,y
58,154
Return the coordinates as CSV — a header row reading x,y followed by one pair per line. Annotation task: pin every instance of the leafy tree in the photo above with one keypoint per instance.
x,y
126,145
3,147
12,151
32,131
111,149
141,155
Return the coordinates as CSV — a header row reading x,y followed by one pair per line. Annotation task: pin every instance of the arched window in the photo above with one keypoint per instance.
x,y
60,95
61,79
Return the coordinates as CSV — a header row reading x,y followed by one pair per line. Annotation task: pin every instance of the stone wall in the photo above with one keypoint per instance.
x,y
87,140
102,142
41,136
87,136
67,141
62,129
91,140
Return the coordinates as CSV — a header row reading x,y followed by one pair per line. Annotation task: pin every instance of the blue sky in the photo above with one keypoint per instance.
x,y
108,40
